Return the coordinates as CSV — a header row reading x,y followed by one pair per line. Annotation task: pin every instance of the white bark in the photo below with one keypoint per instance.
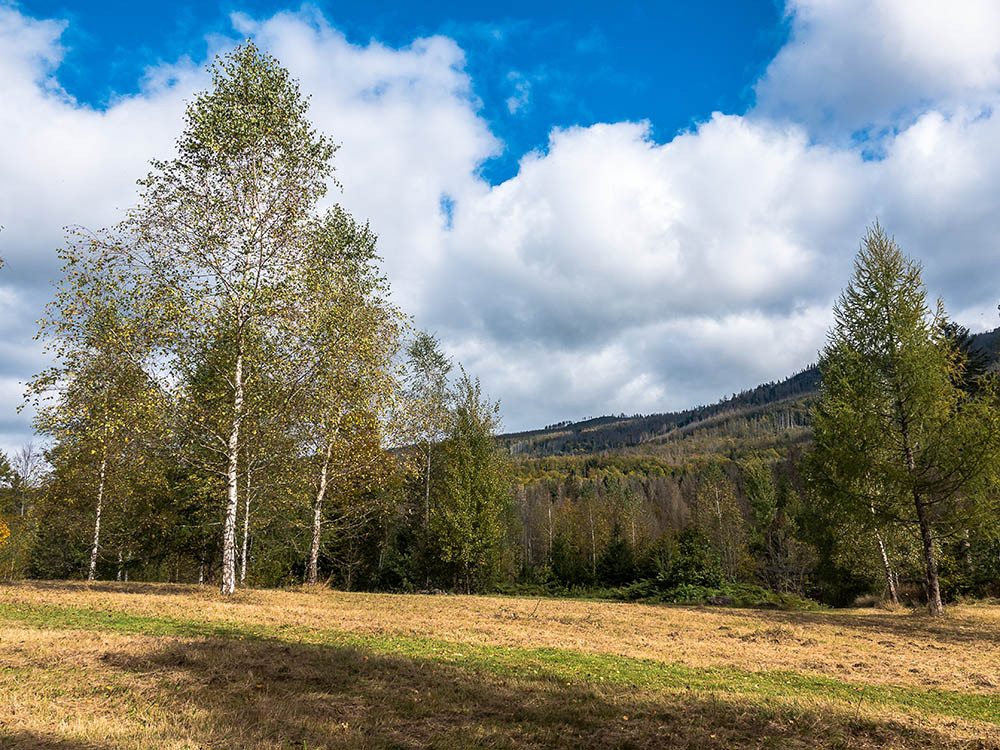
x,y
893,594
427,492
311,574
232,478
888,570
549,556
92,573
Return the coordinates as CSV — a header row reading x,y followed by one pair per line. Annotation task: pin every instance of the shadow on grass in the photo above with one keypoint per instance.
x,y
256,694
32,741
112,587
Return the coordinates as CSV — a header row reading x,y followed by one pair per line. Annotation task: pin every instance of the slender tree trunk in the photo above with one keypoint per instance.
x,y
549,552
427,516
92,572
311,574
118,575
890,584
967,552
593,542
246,532
427,493
382,548
930,558
888,569
232,494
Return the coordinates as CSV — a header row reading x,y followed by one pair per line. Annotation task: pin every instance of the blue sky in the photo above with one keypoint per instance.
x,y
603,208
553,63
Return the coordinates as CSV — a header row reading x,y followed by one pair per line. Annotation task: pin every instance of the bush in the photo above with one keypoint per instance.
x,y
694,563
617,563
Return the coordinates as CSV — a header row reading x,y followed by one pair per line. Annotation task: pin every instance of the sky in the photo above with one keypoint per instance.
x,y
598,208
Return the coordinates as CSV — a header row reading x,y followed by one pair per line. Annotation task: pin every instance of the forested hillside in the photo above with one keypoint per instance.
x,y
767,409
610,500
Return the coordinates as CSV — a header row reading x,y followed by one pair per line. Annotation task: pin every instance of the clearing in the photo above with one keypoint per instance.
x,y
169,666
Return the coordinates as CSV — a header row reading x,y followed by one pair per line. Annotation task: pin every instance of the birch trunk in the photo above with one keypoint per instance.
x,y
890,584
549,555
888,569
232,494
593,541
92,573
311,574
427,493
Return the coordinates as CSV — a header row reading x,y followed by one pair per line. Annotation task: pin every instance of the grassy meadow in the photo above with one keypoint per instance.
x,y
168,666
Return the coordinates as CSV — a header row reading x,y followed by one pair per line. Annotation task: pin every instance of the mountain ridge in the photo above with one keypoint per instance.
x,y
611,433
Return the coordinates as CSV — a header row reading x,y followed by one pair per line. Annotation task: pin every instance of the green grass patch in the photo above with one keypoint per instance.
x,y
562,666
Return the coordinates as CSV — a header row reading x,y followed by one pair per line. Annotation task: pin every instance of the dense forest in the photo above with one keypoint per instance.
x,y
621,432
236,401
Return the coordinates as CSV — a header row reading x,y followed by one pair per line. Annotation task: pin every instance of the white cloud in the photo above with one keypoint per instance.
x,y
409,128
858,64
612,273
517,101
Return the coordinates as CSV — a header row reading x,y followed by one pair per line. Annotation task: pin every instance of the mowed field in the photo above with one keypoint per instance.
x,y
169,666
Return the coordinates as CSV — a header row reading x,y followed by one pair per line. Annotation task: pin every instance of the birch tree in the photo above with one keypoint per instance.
x,y
220,230
717,514
98,397
428,401
353,335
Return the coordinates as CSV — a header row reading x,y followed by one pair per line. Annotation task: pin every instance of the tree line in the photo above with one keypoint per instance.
x,y
236,399
232,385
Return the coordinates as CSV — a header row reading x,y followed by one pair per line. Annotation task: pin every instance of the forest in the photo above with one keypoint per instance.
x,y
236,401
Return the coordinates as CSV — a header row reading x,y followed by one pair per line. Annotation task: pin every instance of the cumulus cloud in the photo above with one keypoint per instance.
x,y
627,275
612,273
406,118
854,65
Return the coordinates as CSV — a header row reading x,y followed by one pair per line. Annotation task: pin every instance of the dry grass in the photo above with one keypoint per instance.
x,y
314,668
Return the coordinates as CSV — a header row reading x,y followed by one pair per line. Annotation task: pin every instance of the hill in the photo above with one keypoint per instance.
x,y
769,409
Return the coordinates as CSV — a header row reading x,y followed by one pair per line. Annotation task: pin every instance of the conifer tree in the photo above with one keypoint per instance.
x,y
470,524
897,440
